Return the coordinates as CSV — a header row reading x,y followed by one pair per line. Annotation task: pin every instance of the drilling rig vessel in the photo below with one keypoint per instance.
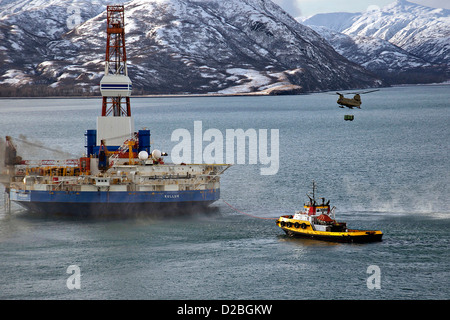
x,y
119,174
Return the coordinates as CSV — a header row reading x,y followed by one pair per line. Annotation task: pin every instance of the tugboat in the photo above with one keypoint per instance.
x,y
317,221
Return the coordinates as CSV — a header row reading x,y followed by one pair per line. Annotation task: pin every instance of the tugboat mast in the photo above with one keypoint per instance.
x,y
313,198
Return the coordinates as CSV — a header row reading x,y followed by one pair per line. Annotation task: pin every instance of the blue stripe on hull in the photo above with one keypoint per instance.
x,y
122,202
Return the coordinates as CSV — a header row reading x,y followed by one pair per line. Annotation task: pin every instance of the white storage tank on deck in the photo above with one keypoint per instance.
x,y
115,86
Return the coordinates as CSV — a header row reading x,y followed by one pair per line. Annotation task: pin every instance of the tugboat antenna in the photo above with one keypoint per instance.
x,y
314,190
313,198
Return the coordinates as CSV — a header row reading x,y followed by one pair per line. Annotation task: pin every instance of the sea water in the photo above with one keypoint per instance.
x,y
388,170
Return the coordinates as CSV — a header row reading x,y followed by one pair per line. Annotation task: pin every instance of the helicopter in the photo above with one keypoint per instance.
x,y
351,103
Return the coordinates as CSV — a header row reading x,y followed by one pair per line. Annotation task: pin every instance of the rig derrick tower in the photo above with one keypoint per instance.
x,y
115,135
116,85
115,123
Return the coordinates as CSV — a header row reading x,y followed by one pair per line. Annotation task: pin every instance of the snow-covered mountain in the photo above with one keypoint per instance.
x,y
390,62
173,46
400,42
28,27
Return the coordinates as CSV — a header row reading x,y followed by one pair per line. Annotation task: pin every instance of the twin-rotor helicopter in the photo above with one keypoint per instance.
x,y
351,103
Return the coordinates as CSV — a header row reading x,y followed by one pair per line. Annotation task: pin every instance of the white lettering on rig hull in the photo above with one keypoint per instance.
x,y
171,196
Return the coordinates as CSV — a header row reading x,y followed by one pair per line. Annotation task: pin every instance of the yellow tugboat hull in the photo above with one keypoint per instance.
x,y
304,229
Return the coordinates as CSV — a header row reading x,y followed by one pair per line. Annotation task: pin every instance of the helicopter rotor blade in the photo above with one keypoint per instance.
x,y
364,92
370,91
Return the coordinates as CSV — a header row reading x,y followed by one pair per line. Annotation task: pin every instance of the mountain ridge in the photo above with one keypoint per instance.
x,y
418,35
197,46
183,46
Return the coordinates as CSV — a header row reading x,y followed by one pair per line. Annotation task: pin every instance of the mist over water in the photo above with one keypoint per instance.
x,y
386,170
